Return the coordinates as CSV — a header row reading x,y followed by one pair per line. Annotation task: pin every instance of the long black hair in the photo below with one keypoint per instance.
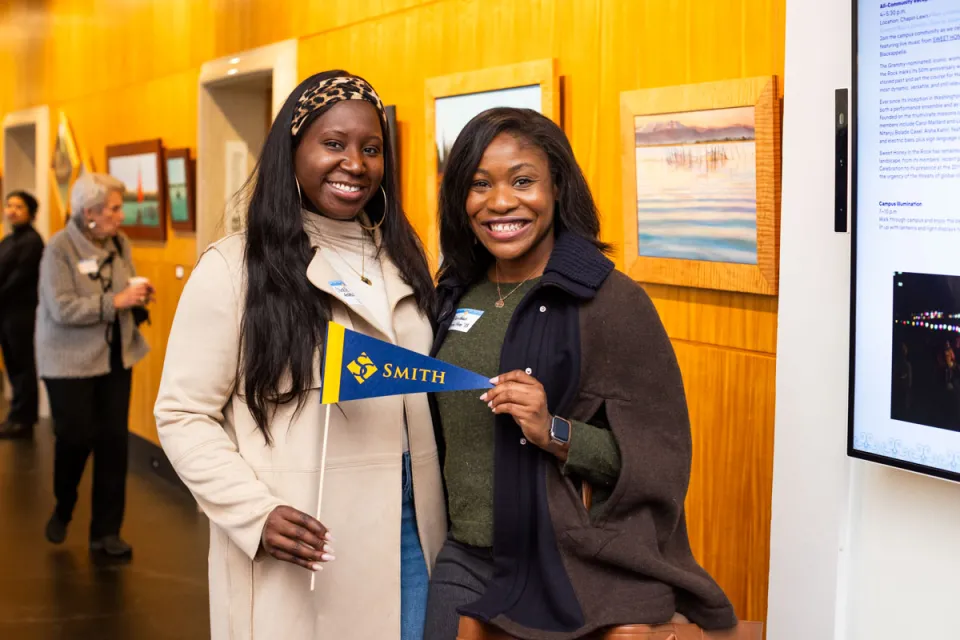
x,y
464,259
285,316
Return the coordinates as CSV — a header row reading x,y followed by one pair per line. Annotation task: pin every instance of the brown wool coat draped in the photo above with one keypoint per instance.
x,y
594,340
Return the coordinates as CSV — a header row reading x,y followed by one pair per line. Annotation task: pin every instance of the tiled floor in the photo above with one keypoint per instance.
x,y
54,593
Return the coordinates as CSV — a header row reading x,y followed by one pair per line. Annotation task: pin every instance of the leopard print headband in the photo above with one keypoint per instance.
x,y
331,91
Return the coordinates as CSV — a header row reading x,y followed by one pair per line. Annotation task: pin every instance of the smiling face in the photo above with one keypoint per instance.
x,y
339,162
511,204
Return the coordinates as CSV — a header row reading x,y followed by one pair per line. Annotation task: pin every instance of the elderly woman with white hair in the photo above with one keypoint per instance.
x,y
87,342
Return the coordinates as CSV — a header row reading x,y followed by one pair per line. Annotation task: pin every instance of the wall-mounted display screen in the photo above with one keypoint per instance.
x,y
905,342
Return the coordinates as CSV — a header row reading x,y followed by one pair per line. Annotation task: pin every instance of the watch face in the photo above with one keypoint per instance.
x,y
560,430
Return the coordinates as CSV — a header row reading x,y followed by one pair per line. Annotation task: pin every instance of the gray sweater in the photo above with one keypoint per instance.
x,y
75,312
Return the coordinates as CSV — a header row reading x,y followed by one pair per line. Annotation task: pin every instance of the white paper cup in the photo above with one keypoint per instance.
x,y
137,280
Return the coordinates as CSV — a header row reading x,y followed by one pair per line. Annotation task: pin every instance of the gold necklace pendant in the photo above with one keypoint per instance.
x,y
363,264
499,303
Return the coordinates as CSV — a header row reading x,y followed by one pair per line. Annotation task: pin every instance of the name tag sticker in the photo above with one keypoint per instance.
x,y
87,267
465,319
344,292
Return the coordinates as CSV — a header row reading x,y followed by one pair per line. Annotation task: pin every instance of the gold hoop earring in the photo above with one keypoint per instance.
x,y
377,226
299,193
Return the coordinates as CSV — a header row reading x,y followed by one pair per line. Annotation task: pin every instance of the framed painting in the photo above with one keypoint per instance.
x,y
65,164
453,100
393,134
139,165
701,185
181,189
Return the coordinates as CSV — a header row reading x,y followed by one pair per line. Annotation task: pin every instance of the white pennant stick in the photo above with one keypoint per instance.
x,y
323,469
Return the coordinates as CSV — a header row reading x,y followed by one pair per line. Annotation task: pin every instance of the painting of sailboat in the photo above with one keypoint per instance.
x,y
139,167
141,202
697,185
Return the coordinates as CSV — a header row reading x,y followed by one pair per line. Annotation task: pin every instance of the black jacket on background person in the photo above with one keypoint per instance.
x,y
20,254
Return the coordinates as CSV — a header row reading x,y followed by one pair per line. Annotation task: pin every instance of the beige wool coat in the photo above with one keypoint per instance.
x,y
207,432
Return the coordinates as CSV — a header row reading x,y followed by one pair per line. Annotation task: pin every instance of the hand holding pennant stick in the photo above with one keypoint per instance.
x,y
356,367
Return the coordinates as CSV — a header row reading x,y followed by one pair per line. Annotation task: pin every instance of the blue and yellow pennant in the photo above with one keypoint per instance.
x,y
356,366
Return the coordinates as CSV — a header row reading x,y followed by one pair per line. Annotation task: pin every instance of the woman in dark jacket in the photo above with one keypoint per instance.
x,y
589,395
20,254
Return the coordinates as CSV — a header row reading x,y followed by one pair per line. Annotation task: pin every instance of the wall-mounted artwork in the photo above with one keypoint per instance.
x,y
181,173
393,134
452,101
701,183
66,164
140,167
236,172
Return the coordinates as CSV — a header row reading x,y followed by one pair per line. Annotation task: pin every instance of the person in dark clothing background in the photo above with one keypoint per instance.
x,y
20,254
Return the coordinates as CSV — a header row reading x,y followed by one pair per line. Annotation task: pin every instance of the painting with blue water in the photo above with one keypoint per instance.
x,y
697,185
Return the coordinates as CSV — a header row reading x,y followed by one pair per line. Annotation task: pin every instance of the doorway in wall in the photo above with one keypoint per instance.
x,y
239,97
26,167
20,161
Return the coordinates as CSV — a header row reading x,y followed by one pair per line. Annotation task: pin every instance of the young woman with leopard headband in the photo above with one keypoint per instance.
x,y
239,411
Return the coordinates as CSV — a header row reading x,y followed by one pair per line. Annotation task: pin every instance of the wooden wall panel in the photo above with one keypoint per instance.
x,y
126,70
717,317
731,401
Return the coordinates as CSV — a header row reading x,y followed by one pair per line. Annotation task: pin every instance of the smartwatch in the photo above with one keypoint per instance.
x,y
560,431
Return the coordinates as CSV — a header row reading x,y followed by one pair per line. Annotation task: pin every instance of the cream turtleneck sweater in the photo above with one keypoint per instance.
x,y
351,251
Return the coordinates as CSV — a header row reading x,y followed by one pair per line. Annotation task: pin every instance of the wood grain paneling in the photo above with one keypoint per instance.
x,y
735,320
731,400
125,71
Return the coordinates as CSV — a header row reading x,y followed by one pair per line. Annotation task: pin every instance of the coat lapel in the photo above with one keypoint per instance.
x,y
85,248
322,275
396,286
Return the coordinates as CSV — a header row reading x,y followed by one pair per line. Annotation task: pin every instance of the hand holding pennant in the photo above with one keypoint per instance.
x,y
356,366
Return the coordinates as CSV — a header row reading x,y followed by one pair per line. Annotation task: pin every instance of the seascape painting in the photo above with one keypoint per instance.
x,y
139,173
177,189
454,112
697,185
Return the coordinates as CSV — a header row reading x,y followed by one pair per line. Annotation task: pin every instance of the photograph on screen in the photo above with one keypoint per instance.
x,y
925,377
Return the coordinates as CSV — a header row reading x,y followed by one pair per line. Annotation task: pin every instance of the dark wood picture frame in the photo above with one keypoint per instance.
x,y
141,231
190,173
393,134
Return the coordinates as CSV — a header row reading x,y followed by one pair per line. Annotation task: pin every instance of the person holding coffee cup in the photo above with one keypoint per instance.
x,y
87,342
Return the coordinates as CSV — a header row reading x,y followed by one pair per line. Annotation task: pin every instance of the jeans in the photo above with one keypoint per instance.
x,y
414,580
